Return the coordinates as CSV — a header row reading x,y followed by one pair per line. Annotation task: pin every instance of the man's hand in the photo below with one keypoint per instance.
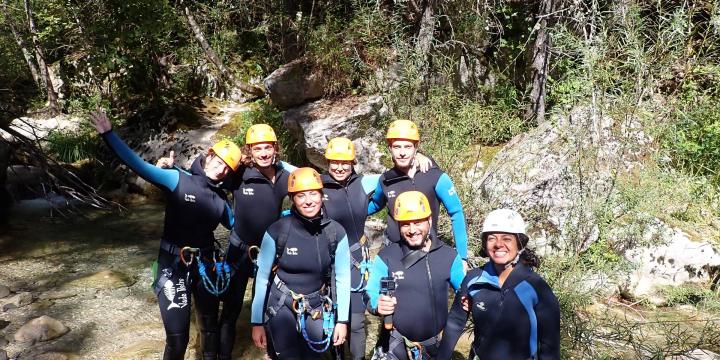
x,y
166,162
258,336
340,334
422,162
465,266
386,305
100,121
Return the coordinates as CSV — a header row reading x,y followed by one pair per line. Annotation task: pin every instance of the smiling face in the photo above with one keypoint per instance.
x,y
215,168
308,203
502,247
414,232
263,154
340,170
403,153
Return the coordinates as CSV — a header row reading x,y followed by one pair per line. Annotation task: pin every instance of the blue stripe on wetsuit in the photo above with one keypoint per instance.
x,y
457,273
265,261
529,298
228,220
342,279
378,201
378,271
445,191
370,183
165,178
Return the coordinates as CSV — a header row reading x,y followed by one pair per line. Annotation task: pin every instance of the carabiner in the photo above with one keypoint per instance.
x,y
252,258
192,252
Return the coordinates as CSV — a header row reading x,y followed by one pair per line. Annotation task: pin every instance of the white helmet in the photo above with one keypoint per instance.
x,y
503,220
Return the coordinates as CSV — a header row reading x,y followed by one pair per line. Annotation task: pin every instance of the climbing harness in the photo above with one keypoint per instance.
x,y
302,309
364,265
416,350
221,268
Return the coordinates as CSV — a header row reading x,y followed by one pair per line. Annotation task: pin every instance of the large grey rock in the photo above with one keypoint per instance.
x,y
3,355
313,124
4,291
293,84
672,260
558,173
43,328
17,301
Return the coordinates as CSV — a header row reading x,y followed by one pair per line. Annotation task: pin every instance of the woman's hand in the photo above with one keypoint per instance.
x,y
258,336
340,334
100,121
166,162
386,305
465,303
422,162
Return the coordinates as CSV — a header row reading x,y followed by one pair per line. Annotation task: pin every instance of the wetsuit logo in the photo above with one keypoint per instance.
x,y
391,194
481,306
248,191
170,290
190,198
398,275
291,251
452,191
326,197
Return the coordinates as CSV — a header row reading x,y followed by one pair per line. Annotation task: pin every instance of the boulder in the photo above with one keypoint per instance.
x,y
43,328
293,84
3,355
354,117
17,301
672,260
4,291
557,173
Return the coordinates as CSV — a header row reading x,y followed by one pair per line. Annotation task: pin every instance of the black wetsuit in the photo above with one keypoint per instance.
x,y
194,208
347,204
516,321
437,187
257,204
303,267
421,291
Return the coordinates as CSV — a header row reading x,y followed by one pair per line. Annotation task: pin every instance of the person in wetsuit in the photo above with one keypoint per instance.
x,y
421,267
195,205
346,196
294,315
403,138
516,315
258,187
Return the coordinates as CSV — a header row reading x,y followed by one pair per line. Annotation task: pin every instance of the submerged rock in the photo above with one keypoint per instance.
x,y
43,328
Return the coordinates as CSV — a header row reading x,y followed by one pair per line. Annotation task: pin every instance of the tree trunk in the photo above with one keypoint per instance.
x,y
423,41
225,74
21,43
539,65
40,57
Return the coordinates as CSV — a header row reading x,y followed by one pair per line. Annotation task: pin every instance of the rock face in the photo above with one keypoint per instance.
x,y
675,261
554,175
293,84
351,117
38,129
43,328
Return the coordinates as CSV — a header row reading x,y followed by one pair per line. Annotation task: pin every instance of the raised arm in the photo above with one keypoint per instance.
x,y
445,191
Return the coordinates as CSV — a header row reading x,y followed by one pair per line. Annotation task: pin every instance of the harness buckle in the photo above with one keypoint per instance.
x,y
192,252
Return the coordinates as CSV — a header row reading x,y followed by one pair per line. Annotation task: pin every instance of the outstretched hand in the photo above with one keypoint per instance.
x,y
100,121
166,162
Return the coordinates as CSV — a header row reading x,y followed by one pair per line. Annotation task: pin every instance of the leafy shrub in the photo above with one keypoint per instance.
x,y
73,146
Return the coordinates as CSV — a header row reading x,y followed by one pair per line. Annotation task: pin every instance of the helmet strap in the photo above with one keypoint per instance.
x,y
517,257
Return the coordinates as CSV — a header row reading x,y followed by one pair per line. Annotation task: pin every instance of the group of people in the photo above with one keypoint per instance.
x,y
314,276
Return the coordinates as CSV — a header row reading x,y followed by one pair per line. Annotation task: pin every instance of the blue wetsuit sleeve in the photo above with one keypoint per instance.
x,y
457,273
164,178
265,261
372,291
228,220
445,191
548,320
455,324
369,183
288,167
378,200
342,280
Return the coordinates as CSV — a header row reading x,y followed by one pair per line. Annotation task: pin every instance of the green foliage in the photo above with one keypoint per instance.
x,y
72,147
688,295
